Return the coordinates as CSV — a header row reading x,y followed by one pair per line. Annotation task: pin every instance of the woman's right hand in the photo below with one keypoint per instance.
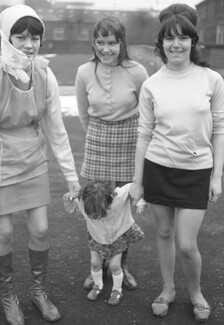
x,y
136,192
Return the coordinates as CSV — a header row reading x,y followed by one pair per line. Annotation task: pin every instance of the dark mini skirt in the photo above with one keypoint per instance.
x,y
22,196
173,187
110,149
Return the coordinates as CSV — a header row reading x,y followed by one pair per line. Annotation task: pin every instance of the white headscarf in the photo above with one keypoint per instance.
x,y
14,61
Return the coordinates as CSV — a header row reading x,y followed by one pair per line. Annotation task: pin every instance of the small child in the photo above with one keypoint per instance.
x,y
111,229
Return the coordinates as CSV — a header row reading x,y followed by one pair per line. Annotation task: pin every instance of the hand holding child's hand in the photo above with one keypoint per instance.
x,y
136,192
141,205
69,202
74,189
140,209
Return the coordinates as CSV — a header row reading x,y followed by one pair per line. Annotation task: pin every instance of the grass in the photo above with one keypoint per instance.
x,y
65,66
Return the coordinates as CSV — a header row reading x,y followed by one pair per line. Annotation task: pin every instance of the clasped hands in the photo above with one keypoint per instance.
x,y
136,193
74,189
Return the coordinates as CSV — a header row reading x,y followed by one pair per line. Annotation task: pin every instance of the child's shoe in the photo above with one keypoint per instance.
x,y
94,293
115,298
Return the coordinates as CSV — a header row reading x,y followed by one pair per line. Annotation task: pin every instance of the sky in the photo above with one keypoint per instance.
x,y
134,4
120,4
157,4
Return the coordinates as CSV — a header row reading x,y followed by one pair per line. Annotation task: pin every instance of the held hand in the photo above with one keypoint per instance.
x,y
141,206
74,189
136,192
215,189
69,203
140,209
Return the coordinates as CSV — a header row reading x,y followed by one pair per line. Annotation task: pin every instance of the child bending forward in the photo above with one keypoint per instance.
x,y
111,229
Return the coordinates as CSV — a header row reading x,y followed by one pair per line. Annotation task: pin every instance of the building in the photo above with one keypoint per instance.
x,y
211,32
69,29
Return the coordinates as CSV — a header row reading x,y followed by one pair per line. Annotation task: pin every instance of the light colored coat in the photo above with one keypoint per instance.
x,y
23,147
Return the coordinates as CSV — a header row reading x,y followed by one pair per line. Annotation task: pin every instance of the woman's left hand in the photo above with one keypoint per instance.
x,y
74,189
136,192
215,189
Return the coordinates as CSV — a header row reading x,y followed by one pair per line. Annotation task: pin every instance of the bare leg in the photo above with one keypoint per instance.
x,y
188,225
165,222
96,267
6,234
117,275
37,223
97,276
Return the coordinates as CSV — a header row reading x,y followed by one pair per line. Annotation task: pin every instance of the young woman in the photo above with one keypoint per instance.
x,y
180,151
29,96
111,229
107,90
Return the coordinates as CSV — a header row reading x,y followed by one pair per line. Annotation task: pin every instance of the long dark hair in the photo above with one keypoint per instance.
x,y
184,17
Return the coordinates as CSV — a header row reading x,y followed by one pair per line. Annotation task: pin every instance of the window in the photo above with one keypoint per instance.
x,y
58,34
219,35
83,34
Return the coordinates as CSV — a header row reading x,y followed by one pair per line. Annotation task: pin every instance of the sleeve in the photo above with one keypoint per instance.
x,y
55,131
140,74
143,75
123,192
146,121
217,106
82,98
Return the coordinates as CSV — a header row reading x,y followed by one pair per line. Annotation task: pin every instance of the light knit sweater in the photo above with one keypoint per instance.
x,y
180,111
112,95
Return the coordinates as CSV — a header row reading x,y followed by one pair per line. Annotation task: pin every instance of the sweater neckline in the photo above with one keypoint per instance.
x,y
125,64
179,73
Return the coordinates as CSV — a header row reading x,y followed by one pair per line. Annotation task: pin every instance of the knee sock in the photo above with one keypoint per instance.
x,y
98,278
117,281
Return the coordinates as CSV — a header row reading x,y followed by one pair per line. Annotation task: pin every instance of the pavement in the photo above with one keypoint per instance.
x,y
69,262
68,101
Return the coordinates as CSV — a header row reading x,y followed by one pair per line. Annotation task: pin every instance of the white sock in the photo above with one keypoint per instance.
x,y
117,281
98,278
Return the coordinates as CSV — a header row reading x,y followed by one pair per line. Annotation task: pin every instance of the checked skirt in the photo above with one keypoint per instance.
x,y
110,149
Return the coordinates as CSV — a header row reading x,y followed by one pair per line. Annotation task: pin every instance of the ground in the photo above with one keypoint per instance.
x,y
70,261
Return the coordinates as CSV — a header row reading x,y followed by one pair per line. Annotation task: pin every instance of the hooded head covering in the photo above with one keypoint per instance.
x,y
11,15
15,61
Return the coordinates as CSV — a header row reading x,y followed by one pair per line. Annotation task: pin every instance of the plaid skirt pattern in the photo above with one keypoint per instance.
x,y
110,149
131,236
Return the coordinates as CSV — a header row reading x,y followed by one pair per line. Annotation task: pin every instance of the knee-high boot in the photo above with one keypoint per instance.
x,y
38,262
128,280
9,300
